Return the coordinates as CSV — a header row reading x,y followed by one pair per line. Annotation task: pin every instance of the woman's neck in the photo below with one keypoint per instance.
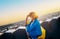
x,y
32,19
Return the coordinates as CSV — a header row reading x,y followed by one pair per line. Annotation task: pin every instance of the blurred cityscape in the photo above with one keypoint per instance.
x,y
44,18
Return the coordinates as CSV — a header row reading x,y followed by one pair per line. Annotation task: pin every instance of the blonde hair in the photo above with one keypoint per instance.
x,y
34,14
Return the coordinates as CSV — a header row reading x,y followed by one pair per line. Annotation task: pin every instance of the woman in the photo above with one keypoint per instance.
x,y
33,28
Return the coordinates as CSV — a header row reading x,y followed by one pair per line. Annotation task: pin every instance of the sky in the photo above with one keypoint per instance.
x,y
17,10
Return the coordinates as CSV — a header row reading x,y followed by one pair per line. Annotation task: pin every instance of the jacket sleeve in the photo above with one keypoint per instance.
x,y
27,28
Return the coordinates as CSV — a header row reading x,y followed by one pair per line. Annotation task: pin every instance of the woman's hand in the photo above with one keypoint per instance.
x,y
27,19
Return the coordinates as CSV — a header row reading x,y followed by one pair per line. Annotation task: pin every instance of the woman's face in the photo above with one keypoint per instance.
x,y
32,16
